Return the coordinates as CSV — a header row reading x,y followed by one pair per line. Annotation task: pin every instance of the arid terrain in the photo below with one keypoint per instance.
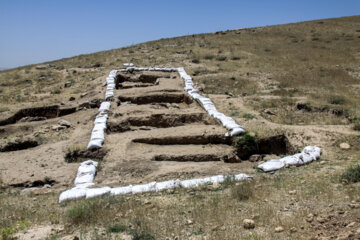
x,y
289,86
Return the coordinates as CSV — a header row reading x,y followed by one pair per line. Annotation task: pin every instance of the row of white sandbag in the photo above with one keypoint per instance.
x,y
81,183
208,105
98,132
129,69
308,154
110,84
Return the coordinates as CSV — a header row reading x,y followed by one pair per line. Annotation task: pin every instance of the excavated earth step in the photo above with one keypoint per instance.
x,y
185,140
182,153
160,121
38,114
156,98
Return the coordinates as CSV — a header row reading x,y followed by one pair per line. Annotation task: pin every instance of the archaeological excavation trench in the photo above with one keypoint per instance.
x,y
155,125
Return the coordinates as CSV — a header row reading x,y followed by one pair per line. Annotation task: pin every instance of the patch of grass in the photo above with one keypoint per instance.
x,y
221,58
141,235
7,232
81,213
73,153
209,57
356,126
195,60
116,228
242,191
249,116
246,141
337,100
351,175
56,91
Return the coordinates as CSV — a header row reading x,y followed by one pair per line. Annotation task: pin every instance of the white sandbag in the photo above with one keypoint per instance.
x,y
307,158
95,143
192,183
241,177
167,185
271,165
86,172
150,187
128,64
237,131
313,150
72,194
97,135
105,106
97,192
99,127
292,160
121,190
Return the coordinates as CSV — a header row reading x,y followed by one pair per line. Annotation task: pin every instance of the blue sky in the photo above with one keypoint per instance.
x,y
43,30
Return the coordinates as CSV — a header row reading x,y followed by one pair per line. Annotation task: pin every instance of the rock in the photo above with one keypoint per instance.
x,y
293,192
65,123
344,146
28,191
249,224
351,224
83,95
41,67
256,158
279,229
68,84
57,127
293,230
321,219
268,111
189,222
215,185
309,218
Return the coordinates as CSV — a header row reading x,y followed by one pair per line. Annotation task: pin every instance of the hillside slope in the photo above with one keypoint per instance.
x,y
299,82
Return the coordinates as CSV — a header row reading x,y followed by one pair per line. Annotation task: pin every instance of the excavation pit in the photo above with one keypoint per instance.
x,y
156,98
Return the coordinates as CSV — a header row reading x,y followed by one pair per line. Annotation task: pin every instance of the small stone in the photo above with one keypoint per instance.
x,y
293,230
344,146
57,127
215,185
321,219
279,229
189,222
256,158
293,192
65,123
147,202
249,224
351,224
310,217
71,98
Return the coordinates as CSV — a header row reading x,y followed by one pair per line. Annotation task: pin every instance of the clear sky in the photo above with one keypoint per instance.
x,y
42,30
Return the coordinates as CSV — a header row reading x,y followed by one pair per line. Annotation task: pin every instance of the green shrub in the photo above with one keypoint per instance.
x,y
356,126
116,228
221,58
351,175
195,60
246,141
209,57
141,235
337,100
249,116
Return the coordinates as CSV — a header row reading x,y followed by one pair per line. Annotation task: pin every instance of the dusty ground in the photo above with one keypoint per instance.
x,y
273,80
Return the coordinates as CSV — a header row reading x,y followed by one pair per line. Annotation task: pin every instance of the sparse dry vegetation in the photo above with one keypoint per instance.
x,y
300,80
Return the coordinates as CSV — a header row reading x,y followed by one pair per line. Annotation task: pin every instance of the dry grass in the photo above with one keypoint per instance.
x,y
271,68
213,212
